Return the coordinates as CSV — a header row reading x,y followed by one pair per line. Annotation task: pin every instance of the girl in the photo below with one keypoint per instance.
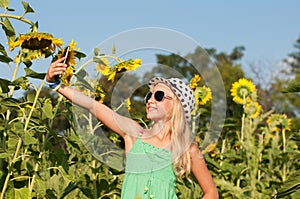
x,y
155,156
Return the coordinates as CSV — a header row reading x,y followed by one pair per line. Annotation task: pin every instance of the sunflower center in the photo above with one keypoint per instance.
x,y
35,43
243,91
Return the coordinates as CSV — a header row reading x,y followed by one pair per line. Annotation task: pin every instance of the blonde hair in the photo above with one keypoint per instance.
x,y
181,137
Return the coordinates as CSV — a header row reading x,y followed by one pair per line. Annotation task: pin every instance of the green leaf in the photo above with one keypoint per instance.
x,y
2,50
27,63
28,138
4,83
8,29
5,155
27,7
47,110
71,186
4,3
12,142
40,186
10,102
79,55
291,185
21,81
81,81
22,193
96,51
5,59
33,74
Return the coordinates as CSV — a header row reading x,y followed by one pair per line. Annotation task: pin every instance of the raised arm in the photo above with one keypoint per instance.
x,y
117,123
202,174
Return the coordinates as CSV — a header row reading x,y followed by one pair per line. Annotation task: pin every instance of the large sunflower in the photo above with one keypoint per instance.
x,y
35,45
242,90
202,95
35,41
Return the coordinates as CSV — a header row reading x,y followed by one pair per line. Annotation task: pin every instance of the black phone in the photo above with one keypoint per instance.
x,y
66,55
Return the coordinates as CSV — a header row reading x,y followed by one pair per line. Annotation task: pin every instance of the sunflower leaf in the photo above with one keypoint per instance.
x,y
79,55
27,63
10,102
20,82
2,50
27,7
4,83
96,51
33,74
8,29
5,59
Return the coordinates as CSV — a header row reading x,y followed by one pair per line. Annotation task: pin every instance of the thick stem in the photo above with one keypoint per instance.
x,y
25,131
284,151
18,18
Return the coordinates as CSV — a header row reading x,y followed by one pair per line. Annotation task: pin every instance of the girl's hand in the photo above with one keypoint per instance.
x,y
56,68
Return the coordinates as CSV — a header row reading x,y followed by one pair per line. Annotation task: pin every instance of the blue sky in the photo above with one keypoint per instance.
x,y
267,29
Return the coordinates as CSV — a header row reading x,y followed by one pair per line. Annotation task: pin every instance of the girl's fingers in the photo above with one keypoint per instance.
x,y
59,60
56,68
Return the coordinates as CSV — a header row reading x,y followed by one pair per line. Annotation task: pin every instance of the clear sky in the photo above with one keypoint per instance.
x,y
267,29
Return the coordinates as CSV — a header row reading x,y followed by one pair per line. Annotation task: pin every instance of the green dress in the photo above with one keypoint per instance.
x,y
148,173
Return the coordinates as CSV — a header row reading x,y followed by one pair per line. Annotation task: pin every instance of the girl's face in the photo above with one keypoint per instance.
x,y
160,110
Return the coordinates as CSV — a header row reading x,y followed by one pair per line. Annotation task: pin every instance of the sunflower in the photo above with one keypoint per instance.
x,y
278,122
202,95
35,41
253,109
242,90
195,81
127,65
34,45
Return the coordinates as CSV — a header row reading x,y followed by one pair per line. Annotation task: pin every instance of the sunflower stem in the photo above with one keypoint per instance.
x,y
284,151
20,18
33,106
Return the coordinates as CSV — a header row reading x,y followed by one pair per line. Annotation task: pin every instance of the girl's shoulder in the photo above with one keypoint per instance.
x,y
195,151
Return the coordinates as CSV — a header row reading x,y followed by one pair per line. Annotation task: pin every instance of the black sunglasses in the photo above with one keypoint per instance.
x,y
158,96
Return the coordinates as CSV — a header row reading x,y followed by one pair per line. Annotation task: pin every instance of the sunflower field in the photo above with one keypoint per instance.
x,y
44,155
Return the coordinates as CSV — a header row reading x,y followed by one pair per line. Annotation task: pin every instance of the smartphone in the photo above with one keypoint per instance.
x,y
66,55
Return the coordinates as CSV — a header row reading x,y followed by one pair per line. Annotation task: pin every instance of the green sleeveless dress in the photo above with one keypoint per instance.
x,y
149,173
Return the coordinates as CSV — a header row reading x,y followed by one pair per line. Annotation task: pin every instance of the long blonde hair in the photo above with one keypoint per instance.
x,y
182,138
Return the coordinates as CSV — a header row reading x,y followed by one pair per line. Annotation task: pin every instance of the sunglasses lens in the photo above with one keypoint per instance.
x,y
148,96
159,96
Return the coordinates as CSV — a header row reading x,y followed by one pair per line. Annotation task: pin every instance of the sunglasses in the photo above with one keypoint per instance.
x,y
158,96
